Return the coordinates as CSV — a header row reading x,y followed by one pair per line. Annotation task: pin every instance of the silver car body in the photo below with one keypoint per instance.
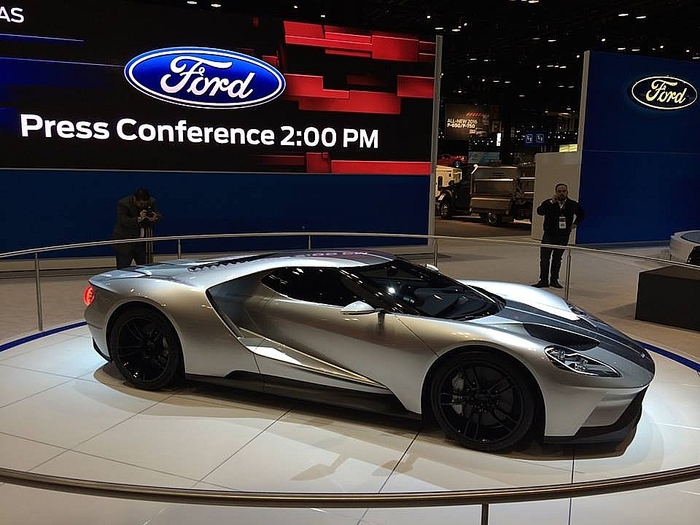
x,y
251,329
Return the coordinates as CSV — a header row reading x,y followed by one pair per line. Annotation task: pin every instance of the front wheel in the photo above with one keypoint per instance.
x,y
145,347
482,401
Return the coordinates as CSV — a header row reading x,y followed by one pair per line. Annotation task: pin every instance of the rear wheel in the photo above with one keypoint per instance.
x,y
445,210
482,401
145,347
493,219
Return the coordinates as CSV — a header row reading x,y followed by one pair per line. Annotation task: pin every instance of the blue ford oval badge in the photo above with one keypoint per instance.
x,y
204,77
661,92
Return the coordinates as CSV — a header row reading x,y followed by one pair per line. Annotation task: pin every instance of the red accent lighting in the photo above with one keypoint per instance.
x,y
88,295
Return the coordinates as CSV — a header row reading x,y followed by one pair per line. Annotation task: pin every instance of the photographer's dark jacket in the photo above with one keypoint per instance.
x,y
128,225
571,211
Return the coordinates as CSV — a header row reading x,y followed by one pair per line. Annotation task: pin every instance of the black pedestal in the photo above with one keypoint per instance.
x,y
670,296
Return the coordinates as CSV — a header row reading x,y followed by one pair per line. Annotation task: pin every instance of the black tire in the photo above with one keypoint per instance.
x,y
493,219
445,209
482,401
145,347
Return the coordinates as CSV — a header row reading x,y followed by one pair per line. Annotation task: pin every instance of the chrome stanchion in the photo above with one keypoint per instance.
x,y
568,273
485,514
308,243
39,307
435,252
179,248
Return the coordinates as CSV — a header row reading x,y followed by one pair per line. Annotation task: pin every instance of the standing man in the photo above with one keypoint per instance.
x,y
561,215
136,215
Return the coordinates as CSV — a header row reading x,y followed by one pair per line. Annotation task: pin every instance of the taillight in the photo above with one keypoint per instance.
x,y
88,295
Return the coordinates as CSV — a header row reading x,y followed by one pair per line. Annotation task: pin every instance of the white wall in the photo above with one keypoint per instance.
x,y
550,170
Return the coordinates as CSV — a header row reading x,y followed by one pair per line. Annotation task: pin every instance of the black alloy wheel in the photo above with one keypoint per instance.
x,y
445,210
493,219
145,347
482,401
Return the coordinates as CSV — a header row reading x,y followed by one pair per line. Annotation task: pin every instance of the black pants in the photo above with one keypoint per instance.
x,y
552,253
127,252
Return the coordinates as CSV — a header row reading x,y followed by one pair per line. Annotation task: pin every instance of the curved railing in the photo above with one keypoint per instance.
x,y
484,497
431,239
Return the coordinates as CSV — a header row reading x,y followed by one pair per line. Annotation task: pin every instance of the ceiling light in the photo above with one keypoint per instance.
x,y
323,15
296,6
603,39
427,17
641,17
456,30
696,57
473,59
533,1
550,40
578,56
439,28
535,38
521,95
192,2
687,50
661,46
621,48
216,5
623,14
508,81
635,49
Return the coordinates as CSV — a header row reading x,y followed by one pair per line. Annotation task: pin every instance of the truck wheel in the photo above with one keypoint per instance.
x,y
493,219
445,210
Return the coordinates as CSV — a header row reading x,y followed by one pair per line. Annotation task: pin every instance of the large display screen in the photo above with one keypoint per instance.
x,y
116,85
163,91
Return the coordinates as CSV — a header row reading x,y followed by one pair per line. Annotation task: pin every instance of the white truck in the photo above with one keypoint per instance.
x,y
497,193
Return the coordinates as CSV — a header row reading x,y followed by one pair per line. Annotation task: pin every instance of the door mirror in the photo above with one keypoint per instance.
x,y
358,308
432,267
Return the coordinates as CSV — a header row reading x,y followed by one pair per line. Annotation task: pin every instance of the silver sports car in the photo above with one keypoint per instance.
x,y
492,362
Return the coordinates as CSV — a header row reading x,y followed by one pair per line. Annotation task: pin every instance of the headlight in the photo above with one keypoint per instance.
x,y
567,359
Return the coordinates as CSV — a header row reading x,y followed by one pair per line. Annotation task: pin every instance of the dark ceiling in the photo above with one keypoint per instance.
x,y
519,53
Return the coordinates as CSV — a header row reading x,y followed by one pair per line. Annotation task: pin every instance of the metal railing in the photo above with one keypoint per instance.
x,y
483,498
434,239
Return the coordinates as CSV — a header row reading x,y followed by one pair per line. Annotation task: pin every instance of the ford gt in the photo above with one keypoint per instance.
x,y
493,363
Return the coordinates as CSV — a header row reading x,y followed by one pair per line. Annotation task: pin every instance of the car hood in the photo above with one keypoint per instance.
x,y
542,300
547,317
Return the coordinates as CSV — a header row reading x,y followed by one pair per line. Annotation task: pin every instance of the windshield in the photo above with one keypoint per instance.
x,y
410,288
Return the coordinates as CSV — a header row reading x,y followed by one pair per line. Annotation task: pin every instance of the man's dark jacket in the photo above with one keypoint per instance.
x,y
128,225
552,212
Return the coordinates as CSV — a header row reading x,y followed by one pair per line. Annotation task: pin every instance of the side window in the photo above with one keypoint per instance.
x,y
316,285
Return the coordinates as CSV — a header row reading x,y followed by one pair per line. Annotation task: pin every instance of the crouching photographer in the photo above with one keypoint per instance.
x,y
136,216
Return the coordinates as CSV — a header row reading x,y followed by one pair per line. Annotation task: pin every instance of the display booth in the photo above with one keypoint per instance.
x,y
638,173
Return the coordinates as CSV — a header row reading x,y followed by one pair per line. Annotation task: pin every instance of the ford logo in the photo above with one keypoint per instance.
x,y
204,78
662,92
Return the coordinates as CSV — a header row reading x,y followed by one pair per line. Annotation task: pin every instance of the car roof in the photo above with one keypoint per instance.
x,y
209,272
